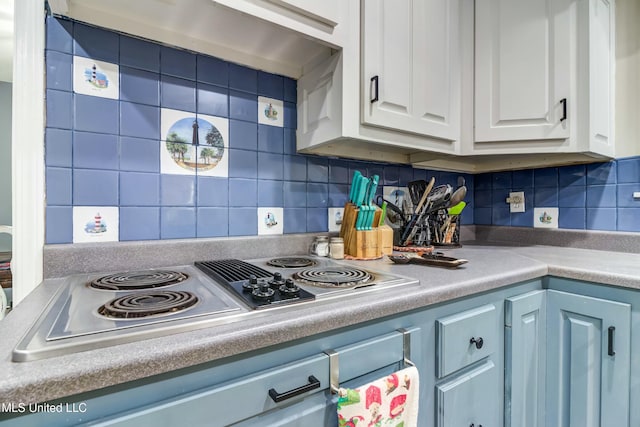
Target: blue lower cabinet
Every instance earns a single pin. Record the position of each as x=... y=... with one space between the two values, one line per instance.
x=467 y=344
x=286 y=394
x=470 y=399
x=588 y=361
x=524 y=359
x=567 y=360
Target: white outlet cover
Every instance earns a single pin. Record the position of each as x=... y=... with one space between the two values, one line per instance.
x=545 y=217
x=334 y=219
x=517 y=207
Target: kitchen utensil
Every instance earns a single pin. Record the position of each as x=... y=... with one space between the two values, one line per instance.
x=456 y=209
x=439 y=198
x=371 y=210
x=416 y=190
x=355 y=182
x=360 y=197
x=411 y=228
x=383 y=215
x=458 y=196
x=437 y=260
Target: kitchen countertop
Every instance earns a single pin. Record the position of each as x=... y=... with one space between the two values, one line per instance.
x=491 y=266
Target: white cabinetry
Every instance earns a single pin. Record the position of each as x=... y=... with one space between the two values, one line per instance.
x=411 y=66
x=409 y=54
x=543 y=77
x=522 y=69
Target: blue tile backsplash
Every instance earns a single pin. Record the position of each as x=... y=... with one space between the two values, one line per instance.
x=597 y=196
x=107 y=153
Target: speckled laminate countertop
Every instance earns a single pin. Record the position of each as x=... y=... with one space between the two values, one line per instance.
x=490 y=266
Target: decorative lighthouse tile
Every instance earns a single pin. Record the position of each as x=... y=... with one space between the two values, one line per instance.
x=193 y=143
x=334 y=219
x=270 y=111
x=95 y=78
x=545 y=217
x=95 y=224
x=213 y=151
x=270 y=221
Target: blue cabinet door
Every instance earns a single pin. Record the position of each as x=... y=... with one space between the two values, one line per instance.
x=588 y=356
x=469 y=399
x=524 y=360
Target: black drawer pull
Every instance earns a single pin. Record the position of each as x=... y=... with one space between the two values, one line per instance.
x=279 y=397
x=563 y=101
x=374 y=82
x=611 y=341
x=479 y=342
x=473 y=425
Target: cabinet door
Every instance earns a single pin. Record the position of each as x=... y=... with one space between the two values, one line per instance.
x=411 y=66
x=587 y=361
x=524 y=360
x=469 y=399
x=523 y=66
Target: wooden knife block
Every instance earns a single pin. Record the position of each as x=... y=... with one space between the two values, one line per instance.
x=365 y=244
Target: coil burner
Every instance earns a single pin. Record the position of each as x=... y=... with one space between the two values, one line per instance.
x=291 y=262
x=138 y=280
x=334 y=277
x=147 y=304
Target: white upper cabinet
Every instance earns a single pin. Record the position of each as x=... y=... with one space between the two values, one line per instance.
x=411 y=66
x=523 y=69
x=394 y=89
x=543 y=77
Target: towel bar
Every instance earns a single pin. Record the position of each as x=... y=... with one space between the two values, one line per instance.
x=334 y=360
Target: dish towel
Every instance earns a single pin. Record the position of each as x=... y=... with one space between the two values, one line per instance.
x=391 y=401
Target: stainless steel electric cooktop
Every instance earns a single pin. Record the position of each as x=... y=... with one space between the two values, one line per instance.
x=93 y=311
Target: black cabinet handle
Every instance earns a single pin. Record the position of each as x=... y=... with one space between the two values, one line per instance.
x=611 y=343
x=473 y=425
x=479 y=342
x=279 y=397
x=374 y=83
x=563 y=101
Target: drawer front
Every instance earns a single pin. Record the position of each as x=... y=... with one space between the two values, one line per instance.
x=231 y=402
x=470 y=399
x=249 y=396
x=464 y=338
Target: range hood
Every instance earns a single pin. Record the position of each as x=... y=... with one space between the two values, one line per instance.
x=224 y=29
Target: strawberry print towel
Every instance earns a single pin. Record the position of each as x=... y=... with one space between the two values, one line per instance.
x=388 y=402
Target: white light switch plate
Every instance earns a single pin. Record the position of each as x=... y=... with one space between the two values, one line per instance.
x=545 y=217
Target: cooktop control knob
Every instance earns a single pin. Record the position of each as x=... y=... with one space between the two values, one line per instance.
x=289 y=289
x=263 y=292
x=251 y=285
x=277 y=281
